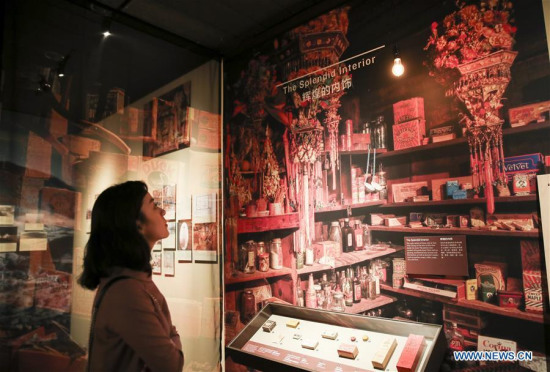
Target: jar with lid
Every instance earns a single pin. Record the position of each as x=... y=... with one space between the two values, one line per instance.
x=380 y=132
x=309 y=255
x=248 y=306
x=250 y=266
x=276 y=254
x=338 y=302
x=335 y=234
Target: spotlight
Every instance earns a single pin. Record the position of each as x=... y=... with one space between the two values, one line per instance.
x=61 y=65
x=398 y=69
x=106 y=27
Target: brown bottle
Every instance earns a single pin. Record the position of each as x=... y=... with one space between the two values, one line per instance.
x=348 y=236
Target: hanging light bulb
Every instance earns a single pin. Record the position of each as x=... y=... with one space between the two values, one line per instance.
x=397 y=69
x=106 y=28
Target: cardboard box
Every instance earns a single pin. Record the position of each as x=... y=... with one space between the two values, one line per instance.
x=326 y=248
x=408 y=134
x=523 y=115
x=439 y=185
x=529 y=163
x=493 y=273
x=409 y=109
x=463 y=317
x=448 y=288
x=360 y=141
x=403 y=191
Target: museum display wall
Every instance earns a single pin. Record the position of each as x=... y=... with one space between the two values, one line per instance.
x=381 y=160
x=81 y=112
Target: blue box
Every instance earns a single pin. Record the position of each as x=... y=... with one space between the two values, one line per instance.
x=529 y=163
x=451 y=187
x=460 y=194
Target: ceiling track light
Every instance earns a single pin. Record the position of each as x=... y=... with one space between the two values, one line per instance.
x=397 y=69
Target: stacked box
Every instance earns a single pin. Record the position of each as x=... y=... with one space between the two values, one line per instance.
x=408 y=134
x=523 y=115
x=535 y=297
x=409 y=109
x=527 y=164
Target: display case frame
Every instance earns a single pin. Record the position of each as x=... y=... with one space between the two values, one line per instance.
x=432 y=357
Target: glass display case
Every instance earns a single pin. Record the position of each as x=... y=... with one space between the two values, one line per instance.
x=289 y=338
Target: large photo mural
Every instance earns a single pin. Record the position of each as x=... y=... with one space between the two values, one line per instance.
x=387 y=154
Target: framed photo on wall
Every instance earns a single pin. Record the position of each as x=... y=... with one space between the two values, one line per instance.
x=168 y=263
x=204 y=208
x=156 y=262
x=169 y=243
x=184 y=250
x=205 y=242
x=172 y=128
x=169 y=201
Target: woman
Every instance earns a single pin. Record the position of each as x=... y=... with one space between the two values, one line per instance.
x=131 y=325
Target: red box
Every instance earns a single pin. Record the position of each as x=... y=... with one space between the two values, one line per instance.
x=509 y=299
x=532 y=287
x=409 y=109
x=411 y=354
x=408 y=134
x=524 y=115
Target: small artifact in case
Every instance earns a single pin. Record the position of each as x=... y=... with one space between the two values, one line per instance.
x=348 y=351
x=292 y=323
x=309 y=344
x=383 y=354
x=269 y=325
x=411 y=354
x=331 y=335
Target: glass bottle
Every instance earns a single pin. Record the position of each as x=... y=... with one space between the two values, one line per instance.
x=276 y=254
x=358 y=231
x=251 y=257
x=364 y=283
x=248 y=306
x=299 y=259
x=335 y=234
x=311 y=296
x=338 y=302
x=381 y=132
x=243 y=257
x=376 y=279
x=356 y=288
x=371 y=286
x=319 y=296
x=383 y=194
x=367 y=238
x=309 y=255
x=299 y=293
x=454 y=338
x=347 y=289
x=349 y=237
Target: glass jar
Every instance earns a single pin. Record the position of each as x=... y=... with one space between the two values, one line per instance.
x=243 y=257
x=320 y=295
x=367 y=237
x=380 y=132
x=338 y=302
x=263 y=262
x=276 y=254
x=335 y=234
x=250 y=266
x=248 y=306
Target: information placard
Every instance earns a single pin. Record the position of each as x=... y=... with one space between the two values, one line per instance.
x=436 y=255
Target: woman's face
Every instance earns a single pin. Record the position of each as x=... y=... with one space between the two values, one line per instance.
x=154 y=226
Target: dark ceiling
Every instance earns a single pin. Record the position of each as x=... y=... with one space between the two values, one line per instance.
x=222 y=27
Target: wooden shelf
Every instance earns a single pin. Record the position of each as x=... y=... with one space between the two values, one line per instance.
x=458 y=231
x=268 y=223
x=462 y=140
x=505 y=199
x=241 y=277
x=351 y=258
x=352 y=206
x=366 y=305
x=469 y=304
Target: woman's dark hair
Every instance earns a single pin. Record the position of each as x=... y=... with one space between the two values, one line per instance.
x=114 y=239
